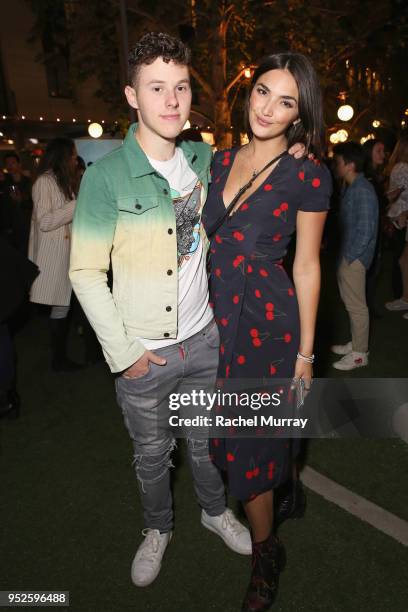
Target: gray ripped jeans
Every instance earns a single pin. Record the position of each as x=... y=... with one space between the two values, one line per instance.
x=144 y=401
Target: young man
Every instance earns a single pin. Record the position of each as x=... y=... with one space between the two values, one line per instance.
x=359 y=224
x=140 y=207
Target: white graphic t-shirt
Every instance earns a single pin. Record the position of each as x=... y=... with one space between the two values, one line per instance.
x=194 y=311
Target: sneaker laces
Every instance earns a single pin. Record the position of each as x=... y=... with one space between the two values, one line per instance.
x=230 y=522
x=150 y=546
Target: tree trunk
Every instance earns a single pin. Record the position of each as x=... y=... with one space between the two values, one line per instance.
x=222 y=113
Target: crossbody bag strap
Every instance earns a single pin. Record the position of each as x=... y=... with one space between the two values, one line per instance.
x=243 y=189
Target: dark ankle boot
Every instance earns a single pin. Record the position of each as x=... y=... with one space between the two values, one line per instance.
x=290 y=502
x=268 y=560
x=59 y=335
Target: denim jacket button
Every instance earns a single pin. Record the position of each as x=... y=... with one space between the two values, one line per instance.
x=165 y=191
x=169 y=272
x=168 y=308
x=169 y=231
x=138 y=206
x=166 y=334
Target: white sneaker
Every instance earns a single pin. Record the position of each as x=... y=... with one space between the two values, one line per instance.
x=342 y=349
x=351 y=361
x=227 y=526
x=399 y=304
x=147 y=562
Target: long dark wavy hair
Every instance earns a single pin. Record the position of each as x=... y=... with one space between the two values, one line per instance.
x=310 y=129
x=57 y=158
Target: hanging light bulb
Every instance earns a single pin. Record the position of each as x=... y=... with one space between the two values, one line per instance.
x=345 y=112
x=247 y=73
x=95 y=130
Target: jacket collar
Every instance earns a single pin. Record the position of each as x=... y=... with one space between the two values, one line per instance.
x=139 y=165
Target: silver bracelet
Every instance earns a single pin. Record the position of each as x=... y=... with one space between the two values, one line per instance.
x=309 y=359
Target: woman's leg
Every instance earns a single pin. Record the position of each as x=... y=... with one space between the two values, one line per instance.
x=403 y=262
x=59 y=324
x=268 y=555
x=259 y=512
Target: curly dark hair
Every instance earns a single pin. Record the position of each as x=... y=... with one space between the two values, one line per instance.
x=154 y=45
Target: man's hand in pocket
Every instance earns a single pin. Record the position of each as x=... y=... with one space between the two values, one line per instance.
x=142 y=365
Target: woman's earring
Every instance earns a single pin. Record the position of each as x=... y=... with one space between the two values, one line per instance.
x=297 y=121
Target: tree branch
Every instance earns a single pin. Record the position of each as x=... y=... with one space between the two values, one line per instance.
x=204 y=84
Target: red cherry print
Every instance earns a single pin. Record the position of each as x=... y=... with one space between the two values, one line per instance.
x=241 y=359
x=211 y=305
x=284 y=206
x=269 y=315
x=213 y=251
x=249 y=269
x=269 y=306
x=277 y=237
x=244 y=206
x=224 y=322
x=222 y=349
x=254 y=333
x=263 y=272
x=217 y=271
x=248 y=474
x=238 y=260
x=256 y=471
x=227 y=371
x=230 y=457
x=271 y=469
x=257 y=342
x=238 y=236
x=227 y=153
x=287 y=338
x=272 y=370
x=316 y=183
x=258 y=294
x=235 y=299
x=290 y=291
x=217 y=180
x=277 y=212
x=267 y=187
x=218 y=239
x=301 y=175
x=225 y=161
x=216 y=442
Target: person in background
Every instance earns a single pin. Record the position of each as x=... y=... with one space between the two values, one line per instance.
x=374 y=172
x=359 y=227
x=398 y=213
x=19 y=186
x=50 y=239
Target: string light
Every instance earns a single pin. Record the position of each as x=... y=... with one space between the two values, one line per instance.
x=376 y=123
x=58 y=119
x=345 y=112
x=23 y=116
x=41 y=118
x=74 y=120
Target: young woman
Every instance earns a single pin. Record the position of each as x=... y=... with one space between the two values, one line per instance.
x=50 y=240
x=398 y=213
x=266 y=324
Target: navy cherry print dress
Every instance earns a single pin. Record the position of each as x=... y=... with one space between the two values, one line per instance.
x=254 y=301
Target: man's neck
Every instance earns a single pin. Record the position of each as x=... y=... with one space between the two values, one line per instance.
x=153 y=145
x=351 y=177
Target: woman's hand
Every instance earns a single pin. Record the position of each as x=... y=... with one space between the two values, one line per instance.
x=304 y=370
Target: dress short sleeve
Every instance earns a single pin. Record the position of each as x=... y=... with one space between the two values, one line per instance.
x=316 y=186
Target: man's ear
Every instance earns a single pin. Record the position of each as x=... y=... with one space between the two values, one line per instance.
x=131 y=97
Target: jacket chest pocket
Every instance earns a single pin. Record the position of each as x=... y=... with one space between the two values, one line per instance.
x=137 y=211
x=137 y=205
